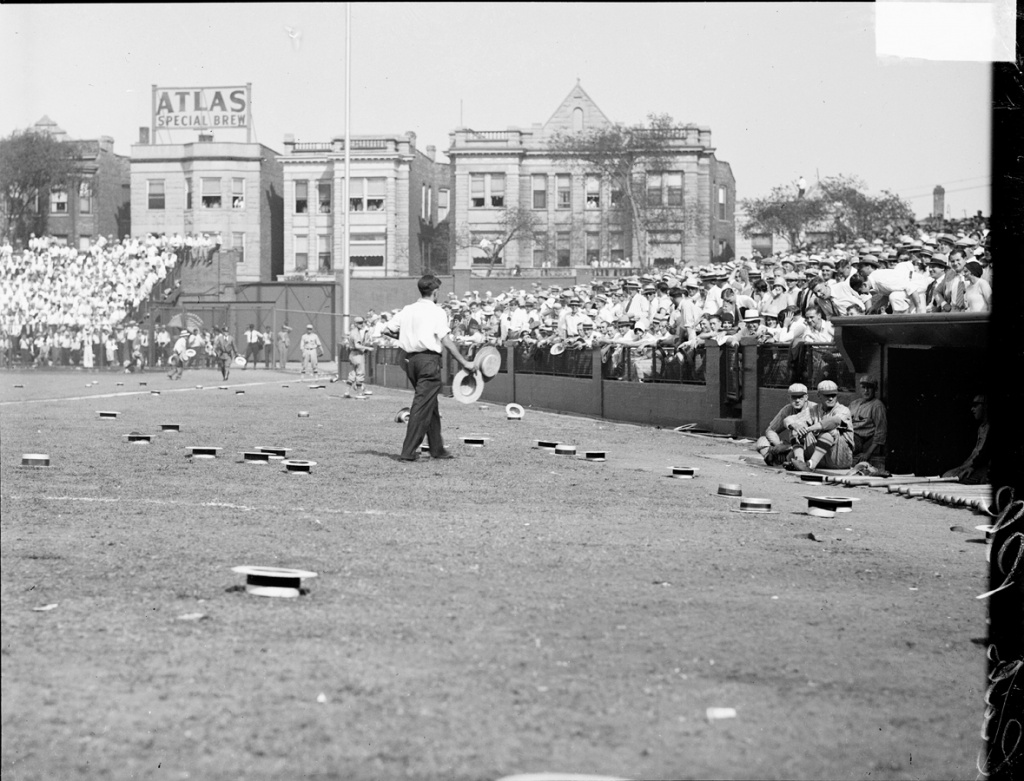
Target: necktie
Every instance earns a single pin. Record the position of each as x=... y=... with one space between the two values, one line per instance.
x=959 y=304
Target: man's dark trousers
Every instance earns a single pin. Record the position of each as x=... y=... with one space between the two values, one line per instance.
x=424 y=372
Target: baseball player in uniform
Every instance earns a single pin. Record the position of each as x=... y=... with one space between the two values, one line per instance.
x=312 y=349
x=780 y=444
x=831 y=433
x=358 y=335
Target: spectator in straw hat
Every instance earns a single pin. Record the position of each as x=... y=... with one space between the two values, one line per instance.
x=178 y=359
x=423 y=331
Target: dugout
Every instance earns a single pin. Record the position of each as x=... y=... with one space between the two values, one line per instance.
x=929 y=366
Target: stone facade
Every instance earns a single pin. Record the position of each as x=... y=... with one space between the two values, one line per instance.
x=393 y=206
x=576 y=219
x=213 y=187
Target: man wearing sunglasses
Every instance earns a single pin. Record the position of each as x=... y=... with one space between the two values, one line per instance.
x=830 y=437
x=777 y=445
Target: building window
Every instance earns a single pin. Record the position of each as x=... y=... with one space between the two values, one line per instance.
x=210 y=196
x=84 y=242
x=376 y=189
x=355 y=195
x=498 y=190
x=367 y=250
x=540 y=249
x=188 y=193
x=593 y=248
x=323 y=253
x=301 y=253
x=301 y=197
x=654 y=189
x=238 y=242
x=85 y=198
x=674 y=188
x=155 y=194
x=238 y=193
x=540 y=191
x=430 y=202
x=721 y=202
x=442 y=204
x=616 y=194
x=477 y=197
x=616 y=251
x=577 y=120
x=487 y=190
x=423 y=203
x=58 y=201
x=367 y=195
x=593 y=192
x=323 y=190
x=562 y=252
x=563 y=185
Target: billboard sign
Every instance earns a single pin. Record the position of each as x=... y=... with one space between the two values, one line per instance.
x=202 y=108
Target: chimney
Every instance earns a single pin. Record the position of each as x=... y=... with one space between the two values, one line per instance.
x=431 y=152
x=106 y=144
x=143 y=135
x=938 y=201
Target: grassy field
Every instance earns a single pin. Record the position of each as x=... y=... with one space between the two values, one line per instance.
x=509 y=611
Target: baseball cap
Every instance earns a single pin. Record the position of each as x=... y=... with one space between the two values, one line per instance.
x=797 y=389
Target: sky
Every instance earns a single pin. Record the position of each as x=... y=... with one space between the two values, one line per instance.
x=788 y=89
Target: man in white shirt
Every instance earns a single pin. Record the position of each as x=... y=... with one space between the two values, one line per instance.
x=423 y=330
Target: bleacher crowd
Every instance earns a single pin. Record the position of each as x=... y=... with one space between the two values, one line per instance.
x=63 y=306
x=785 y=299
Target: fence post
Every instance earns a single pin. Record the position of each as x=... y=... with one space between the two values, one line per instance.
x=750 y=406
x=510 y=367
x=597 y=376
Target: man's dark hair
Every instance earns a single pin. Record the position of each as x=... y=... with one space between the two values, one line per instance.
x=857 y=283
x=428 y=284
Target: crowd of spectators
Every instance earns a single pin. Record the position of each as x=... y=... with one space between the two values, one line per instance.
x=788 y=299
x=62 y=306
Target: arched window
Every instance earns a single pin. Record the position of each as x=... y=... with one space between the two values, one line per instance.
x=577 y=119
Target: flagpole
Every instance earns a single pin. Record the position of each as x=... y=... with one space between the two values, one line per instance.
x=345 y=187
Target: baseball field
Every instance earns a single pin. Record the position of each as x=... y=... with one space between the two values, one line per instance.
x=509 y=611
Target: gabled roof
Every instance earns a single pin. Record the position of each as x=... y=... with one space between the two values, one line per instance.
x=48 y=126
x=562 y=119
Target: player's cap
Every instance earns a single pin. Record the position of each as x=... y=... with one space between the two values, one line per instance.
x=827 y=386
x=797 y=389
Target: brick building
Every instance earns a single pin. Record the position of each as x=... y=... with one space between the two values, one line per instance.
x=578 y=220
x=229 y=188
x=96 y=204
x=397 y=200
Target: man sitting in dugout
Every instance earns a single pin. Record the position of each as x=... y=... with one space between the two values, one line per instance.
x=779 y=444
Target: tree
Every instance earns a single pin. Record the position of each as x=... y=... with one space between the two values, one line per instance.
x=31 y=164
x=623 y=155
x=837 y=205
x=856 y=214
x=515 y=222
x=783 y=213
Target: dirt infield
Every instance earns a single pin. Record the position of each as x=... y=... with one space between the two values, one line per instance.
x=510 y=611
